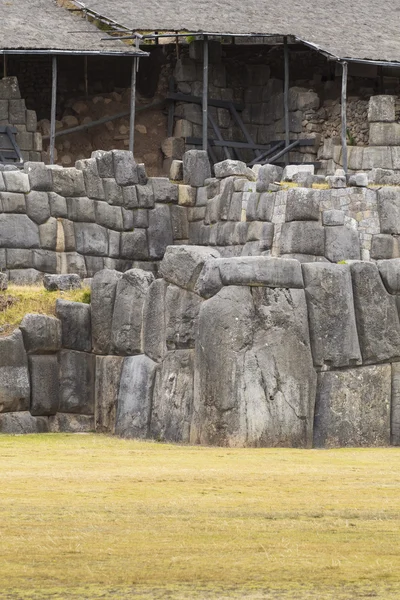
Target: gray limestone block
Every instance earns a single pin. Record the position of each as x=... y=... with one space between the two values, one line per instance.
x=390 y=272
x=302 y=237
x=43 y=370
x=31 y=121
x=353 y=408
x=103 y=290
x=22 y=422
x=359 y=180
x=179 y=221
x=252 y=206
x=91 y=239
x=12 y=202
x=342 y=243
x=66 y=235
x=77 y=382
x=333 y=218
x=235 y=207
x=37 y=206
x=181 y=265
x=389 y=209
x=93 y=182
x=154 y=331
x=164 y=190
x=240 y=233
x=94 y=264
x=176 y=170
x=105 y=163
x=45 y=261
x=160 y=234
x=333 y=330
x=144 y=196
x=229 y=168
x=113 y=192
x=131 y=293
x=134 y=245
x=384 y=246
x=135 y=397
x=108 y=216
x=25 y=277
x=302 y=205
x=114 y=243
x=395 y=406
x=128 y=221
x=125 y=168
x=209 y=281
x=41 y=333
x=196 y=168
x=377 y=319
x=17 y=112
x=108 y=375
x=139 y=218
x=19 y=259
x=71 y=423
x=48 y=234
x=377 y=158
x=225 y=232
x=3 y=281
x=142 y=175
x=247 y=340
x=181 y=317
x=172 y=407
x=381 y=176
x=268 y=174
x=76 y=330
x=81 y=209
x=62 y=282
x=2 y=184
x=40 y=177
x=24 y=139
x=265 y=207
x=384 y=134
x=4 y=110
x=9 y=88
x=58 y=206
x=382 y=109
x=68 y=182
x=261 y=231
x=74 y=264
x=260 y=270
x=14 y=377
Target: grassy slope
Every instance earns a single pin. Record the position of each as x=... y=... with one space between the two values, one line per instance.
x=99 y=517
x=33 y=299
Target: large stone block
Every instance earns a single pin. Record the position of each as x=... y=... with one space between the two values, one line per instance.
x=43 y=370
x=68 y=182
x=267 y=175
x=16 y=181
x=302 y=237
x=12 y=202
x=134 y=245
x=125 y=168
x=108 y=216
x=260 y=270
x=81 y=209
x=130 y=296
x=172 y=408
x=181 y=265
x=382 y=109
x=389 y=209
x=135 y=397
x=353 y=407
x=254 y=379
x=196 y=167
x=160 y=234
x=103 y=290
x=91 y=239
x=181 y=316
x=22 y=422
x=37 y=207
x=108 y=374
x=302 y=205
x=14 y=376
x=384 y=134
x=333 y=329
x=93 y=182
x=154 y=332
x=164 y=190
x=375 y=157
x=384 y=246
x=377 y=319
x=390 y=272
x=41 y=333
x=75 y=325
x=77 y=381
x=18 y=231
x=105 y=165
x=48 y=234
x=71 y=423
x=342 y=243
x=39 y=176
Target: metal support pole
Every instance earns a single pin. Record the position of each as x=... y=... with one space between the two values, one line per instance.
x=53 y=109
x=286 y=97
x=344 y=116
x=205 y=92
x=133 y=106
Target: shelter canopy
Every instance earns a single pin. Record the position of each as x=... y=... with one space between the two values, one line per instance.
x=42 y=26
x=346 y=29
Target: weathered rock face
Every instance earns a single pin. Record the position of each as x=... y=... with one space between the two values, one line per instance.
x=245 y=391
x=353 y=407
x=22 y=422
x=153 y=333
x=77 y=371
x=14 y=376
x=333 y=331
x=181 y=316
x=44 y=384
x=41 y=333
x=104 y=287
x=108 y=374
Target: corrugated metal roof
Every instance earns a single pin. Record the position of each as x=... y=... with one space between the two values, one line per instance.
x=353 y=29
x=42 y=25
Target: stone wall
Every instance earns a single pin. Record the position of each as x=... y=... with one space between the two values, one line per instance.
x=246 y=351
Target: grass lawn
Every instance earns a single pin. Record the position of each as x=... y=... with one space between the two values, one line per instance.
x=90 y=516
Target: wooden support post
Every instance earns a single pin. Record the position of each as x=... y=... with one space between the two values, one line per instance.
x=286 y=97
x=344 y=116
x=53 y=109
x=133 y=106
x=205 y=93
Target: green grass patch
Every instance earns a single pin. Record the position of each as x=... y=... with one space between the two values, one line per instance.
x=18 y=301
x=90 y=516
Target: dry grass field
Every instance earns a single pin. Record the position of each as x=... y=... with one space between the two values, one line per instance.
x=90 y=517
